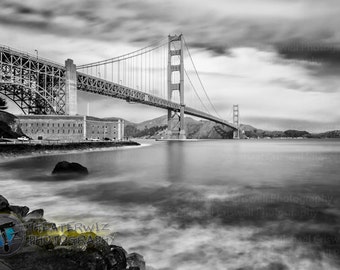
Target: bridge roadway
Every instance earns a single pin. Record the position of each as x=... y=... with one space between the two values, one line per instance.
x=12 y=61
x=102 y=87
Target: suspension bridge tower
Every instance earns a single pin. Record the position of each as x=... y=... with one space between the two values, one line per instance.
x=176 y=83
x=236 y=121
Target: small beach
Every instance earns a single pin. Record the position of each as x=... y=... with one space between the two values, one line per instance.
x=9 y=152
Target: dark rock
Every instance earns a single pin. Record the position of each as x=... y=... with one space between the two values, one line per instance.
x=3 y=203
x=4 y=266
x=87 y=241
x=60 y=258
x=45 y=248
x=42 y=233
x=116 y=258
x=35 y=214
x=135 y=261
x=65 y=167
x=276 y=266
x=20 y=211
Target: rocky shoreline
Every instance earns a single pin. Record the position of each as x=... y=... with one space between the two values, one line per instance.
x=13 y=150
x=47 y=246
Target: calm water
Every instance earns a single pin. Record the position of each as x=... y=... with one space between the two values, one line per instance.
x=199 y=205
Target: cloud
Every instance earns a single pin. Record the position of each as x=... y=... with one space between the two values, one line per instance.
x=231 y=23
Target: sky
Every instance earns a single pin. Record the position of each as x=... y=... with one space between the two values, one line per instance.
x=278 y=59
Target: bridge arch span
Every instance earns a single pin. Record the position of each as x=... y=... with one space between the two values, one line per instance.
x=29 y=100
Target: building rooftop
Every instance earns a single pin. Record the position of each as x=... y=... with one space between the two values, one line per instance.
x=54 y=117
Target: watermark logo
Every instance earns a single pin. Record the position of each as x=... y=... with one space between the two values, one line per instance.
x=12 y=234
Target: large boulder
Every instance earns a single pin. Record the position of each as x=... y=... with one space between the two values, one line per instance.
x=135 y=261
x=116 y=258
x=65 y=167
x=3 y=203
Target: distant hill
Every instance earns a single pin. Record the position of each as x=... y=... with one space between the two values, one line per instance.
x=156 y=128
x=159 y=121
x=328 y=134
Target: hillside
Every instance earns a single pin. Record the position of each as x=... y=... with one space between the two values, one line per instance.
x=8 y=126
x=156 y=128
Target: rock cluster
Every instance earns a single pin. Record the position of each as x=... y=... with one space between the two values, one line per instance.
x=46 y=248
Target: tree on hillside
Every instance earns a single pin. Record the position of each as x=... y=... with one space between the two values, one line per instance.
x=3 y=104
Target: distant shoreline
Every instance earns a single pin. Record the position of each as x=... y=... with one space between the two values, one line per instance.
x=9 y=152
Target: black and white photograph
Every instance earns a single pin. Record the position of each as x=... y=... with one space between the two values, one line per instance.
x=169 y=135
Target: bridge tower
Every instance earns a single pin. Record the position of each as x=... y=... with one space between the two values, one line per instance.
x=71 y=87
x=176 y=118
x=236 y=122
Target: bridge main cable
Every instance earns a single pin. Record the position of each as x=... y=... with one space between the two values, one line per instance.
x=199 y=79
x=153 y=46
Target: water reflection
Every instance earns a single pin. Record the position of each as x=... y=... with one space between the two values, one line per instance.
x=203 y=205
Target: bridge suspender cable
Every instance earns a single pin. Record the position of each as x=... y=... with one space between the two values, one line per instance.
x=193 y=87
x=137 y=70
x=199 y=79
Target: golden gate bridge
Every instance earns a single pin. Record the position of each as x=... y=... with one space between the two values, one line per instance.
x=155 y=75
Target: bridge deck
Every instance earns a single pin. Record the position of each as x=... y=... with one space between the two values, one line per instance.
x=102 y=87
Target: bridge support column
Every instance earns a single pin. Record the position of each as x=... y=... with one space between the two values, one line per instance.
x=71 y=87
x=236 y=122
x=176 y=124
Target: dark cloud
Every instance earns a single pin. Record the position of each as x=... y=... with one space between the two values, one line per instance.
x=25 y=10
x=214 y=27
x=325 y=54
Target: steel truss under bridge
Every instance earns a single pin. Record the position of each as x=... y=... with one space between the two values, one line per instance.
x=37 y=86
